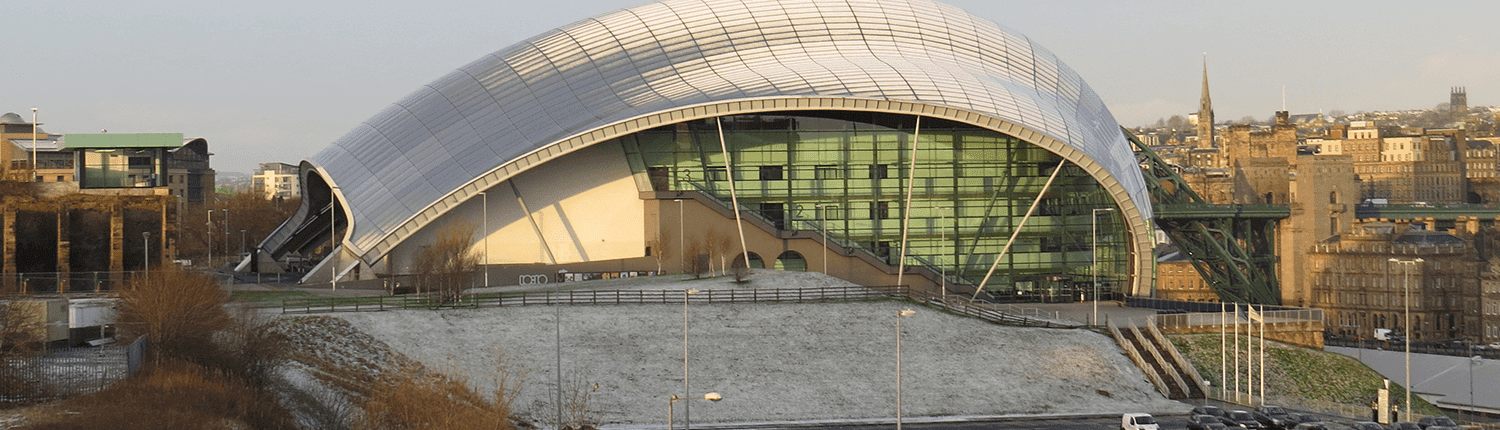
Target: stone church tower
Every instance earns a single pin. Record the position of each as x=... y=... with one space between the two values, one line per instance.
x=1205 y=114
x=1458 y=102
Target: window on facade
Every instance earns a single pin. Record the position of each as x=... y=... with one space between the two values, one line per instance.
x=716 y=174
x=771 y=173
x=880 y=171
x=830 y=212
x=829 y=172
x=880 y=210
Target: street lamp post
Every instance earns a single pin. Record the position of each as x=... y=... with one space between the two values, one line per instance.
x=712 y=397
x=557 y=330
x=226 y=247
x=943 y=239
x=242 y=241
x=146 y=258
x=899 y=315
x=333 y=222
x=1472 y=360
x=1406 y=286
x=33 y=144
x=484 y=203
x=1095 y=222
x=687 y=414
x=681 y=244
x=210 y=239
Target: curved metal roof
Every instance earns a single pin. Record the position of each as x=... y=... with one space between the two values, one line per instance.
x=677 y=53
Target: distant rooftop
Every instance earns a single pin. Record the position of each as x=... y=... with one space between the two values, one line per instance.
x=123 y=140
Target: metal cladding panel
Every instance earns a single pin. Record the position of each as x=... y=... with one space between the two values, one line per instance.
x=678 y=53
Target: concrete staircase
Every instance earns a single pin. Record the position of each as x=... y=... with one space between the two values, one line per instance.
x=1163 y=365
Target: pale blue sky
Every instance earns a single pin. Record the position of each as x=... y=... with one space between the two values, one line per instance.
x=279 y=80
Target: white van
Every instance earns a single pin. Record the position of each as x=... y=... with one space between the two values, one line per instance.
x=1138 y=422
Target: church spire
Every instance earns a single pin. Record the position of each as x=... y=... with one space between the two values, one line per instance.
x=1205 y=112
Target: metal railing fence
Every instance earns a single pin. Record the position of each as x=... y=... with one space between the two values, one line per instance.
x=996 y=313
x=64 y=372
x=57 y=283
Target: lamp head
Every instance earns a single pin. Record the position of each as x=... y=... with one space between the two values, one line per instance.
x=692 y=291
x=906 y=313
x=714 y=397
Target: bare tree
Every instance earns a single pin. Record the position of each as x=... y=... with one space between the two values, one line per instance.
x=721 y=246
x=255 y=347
x=659 y=251
x=444 y=267
x=711 y=239
x=19 y=329
x=697 y=264
x=18 y=338
x=576 y=391
x=1178 y=123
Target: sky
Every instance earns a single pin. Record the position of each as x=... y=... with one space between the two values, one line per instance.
x=279 y=80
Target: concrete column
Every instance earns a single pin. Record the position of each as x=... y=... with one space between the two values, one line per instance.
x=64 y=246
x=168 y=233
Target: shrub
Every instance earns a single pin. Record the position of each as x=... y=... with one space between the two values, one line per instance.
x=178 y=312
x=174 y=394
x=432 y=401
x=741 y=274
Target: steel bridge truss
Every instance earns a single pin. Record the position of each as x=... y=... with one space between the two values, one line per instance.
x=1231 y=246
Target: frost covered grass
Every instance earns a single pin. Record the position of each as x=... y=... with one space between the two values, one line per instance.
x=771 y=362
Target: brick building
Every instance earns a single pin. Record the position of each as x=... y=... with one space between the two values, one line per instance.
x=1363 y=280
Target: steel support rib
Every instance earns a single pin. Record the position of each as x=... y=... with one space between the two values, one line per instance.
x=1017 y=231
x=911 y=181
x=733 y=198
x=534 y=227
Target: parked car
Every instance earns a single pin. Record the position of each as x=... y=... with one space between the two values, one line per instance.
x=1205 y=422
x=1368 y=425
x=1427 y=422
x=1316 y=425
x=1243 y=419
x=1305 y=418
x=1405 y=425
x=1208 y=410
x=1274 y=418
x=1138 y=422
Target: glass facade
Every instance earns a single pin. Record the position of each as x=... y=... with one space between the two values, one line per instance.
x=973 y=187
x=122 y=168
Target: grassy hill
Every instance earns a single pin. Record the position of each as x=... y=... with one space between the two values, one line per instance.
x=1302 y=378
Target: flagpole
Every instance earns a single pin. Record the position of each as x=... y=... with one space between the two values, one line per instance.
x=1237 y=352
x=1249 y=355
x=1223 y=352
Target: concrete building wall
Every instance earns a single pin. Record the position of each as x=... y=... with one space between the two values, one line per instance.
x=581 y=217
